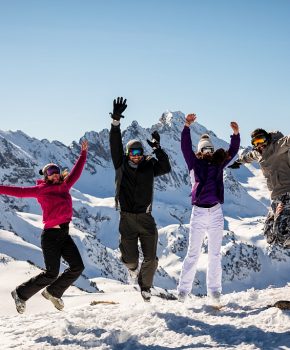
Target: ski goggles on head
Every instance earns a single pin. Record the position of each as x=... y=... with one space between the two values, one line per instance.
x=207 y=150
x=136 y=152
x=259 y=141
x=52 y=170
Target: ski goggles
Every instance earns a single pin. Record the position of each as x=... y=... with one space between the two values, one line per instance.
x=135 y=152
x=52 y=170
x=259 y=141
x=207 y=150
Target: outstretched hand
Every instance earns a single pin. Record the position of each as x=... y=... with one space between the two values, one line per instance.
x=155 y=142
x=190 y=118
x=235 y=128
x=235 y=165
x=85 y=145
x=119 y=106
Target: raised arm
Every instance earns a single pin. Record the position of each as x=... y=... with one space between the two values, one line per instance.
x=79 y=165
x=249 y=157
x=20 y=192
x=162 y=165
x=186 y=144
x=235 y=142
x=283 y=144
x=117 y=152
x=116 y=145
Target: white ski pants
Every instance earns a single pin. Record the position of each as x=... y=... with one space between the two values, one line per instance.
x=202 y=221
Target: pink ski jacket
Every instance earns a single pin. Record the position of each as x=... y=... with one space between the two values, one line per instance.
x=54 y=199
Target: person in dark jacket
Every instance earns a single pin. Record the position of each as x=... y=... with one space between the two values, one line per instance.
x=272 y=151
x=135 y=173
x=206 y=171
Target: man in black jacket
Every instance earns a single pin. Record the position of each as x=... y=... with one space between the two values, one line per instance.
x=135 y=174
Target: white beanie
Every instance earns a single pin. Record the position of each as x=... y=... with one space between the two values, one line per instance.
x=43 y=170
x=204 y=141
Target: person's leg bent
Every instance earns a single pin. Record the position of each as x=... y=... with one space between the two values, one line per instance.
x=71 y=254
x=51 y=249
x=268 y=228
x=129 y=240
x=281 y=227
x=148 y=240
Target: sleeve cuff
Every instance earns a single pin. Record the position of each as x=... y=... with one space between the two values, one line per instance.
x=115 y=122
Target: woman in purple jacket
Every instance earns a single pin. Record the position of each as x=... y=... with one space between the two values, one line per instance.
x=206 y=171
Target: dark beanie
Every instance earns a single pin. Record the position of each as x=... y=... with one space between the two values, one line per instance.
x=133 y=144
x=259 y=132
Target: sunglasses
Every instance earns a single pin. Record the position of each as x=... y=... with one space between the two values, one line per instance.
x=259 y=141
x=52 y=170
x=207 y=150
x=136 y=152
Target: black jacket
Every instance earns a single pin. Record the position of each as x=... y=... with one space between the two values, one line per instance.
x=134 y=187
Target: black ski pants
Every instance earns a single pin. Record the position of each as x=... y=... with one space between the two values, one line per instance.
x=56 y=243
x=134 y=228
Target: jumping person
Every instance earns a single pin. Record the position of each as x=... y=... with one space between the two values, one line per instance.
x=135 y=174
x=206 y=167
x=272 y=151
x=52 y=193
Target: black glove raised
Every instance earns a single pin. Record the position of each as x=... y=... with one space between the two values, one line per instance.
x=235 y=165
x=155 y=142
x=119 y=106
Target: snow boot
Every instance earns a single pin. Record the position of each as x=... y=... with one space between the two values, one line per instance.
x=19 y=303
x=215 y=299
x=133 y=276
x=57 y=302
x=182 y=296
x=146 y=294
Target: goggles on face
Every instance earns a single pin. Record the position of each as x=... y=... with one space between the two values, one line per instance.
x=136 y=152
x=207 y=150
x=259 y=141
x=52 y=170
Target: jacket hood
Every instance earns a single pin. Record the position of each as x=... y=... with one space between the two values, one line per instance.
x=275 y=135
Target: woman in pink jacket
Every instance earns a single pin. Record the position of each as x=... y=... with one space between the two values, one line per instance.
x=52 y=193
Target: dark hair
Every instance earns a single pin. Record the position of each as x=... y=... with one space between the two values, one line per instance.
x=217 y=158
x=63 y=176
x=47 y=181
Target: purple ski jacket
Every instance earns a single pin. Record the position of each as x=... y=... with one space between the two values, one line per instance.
x=208 y=188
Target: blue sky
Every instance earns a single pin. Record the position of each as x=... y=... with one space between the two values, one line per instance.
x=63 y=62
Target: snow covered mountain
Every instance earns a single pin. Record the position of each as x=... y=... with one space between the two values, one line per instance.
x=246 y=256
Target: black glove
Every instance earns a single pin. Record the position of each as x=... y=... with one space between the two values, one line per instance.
x=155 y=142
x=235 y=165
x=118 y=108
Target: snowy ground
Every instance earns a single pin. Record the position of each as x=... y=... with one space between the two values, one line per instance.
x=245 y=322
